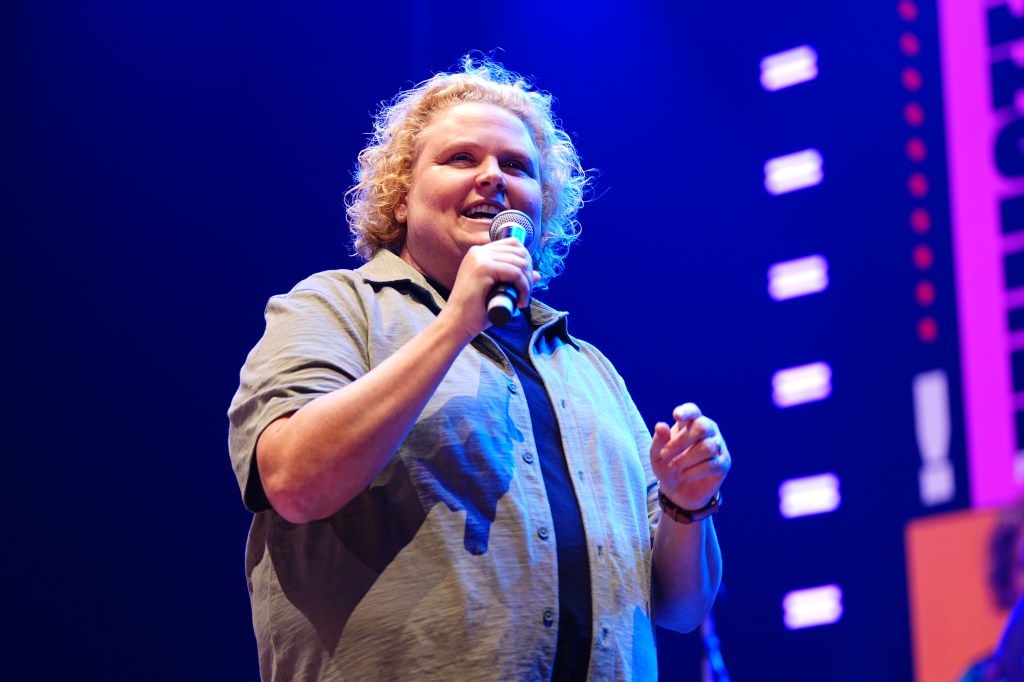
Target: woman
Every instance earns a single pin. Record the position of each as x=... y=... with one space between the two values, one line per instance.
x=438 y=498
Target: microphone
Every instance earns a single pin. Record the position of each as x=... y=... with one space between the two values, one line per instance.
x=501 y=301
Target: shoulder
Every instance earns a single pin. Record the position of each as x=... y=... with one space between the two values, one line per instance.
x=329 y=284
x=330 y=295
x=378 y=282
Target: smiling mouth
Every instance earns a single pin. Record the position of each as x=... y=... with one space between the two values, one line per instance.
x=484 y=212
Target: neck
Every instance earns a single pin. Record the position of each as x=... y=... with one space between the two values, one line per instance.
x=446 y=280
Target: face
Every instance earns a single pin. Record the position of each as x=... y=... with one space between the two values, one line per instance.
x=473 y=160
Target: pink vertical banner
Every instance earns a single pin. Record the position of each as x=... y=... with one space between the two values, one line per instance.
x=973 y=126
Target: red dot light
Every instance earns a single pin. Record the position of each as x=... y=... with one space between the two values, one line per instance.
x=922 y=257
x=916 y=149
x=911 y=79
x=909 y=44
x=917 y=185
x=924 y=293
x=913 y=114
x=928 y=329
x=907 y=10
x=920 y=220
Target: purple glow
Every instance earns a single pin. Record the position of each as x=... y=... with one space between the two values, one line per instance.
x=1012 y=243
x=1015 y=298
x=813 y=606
x=809 y=495
x=803 y=384
x=792 y=172
x=785 y=69
x=799 y=277
x=976 y=188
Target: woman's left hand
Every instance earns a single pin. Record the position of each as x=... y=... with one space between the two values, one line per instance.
x=689 y=458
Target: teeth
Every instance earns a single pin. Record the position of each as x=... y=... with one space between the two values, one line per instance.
x=483 y=208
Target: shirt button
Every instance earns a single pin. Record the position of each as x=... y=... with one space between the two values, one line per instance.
x=528 y=457
x=605 y=636
x=549 y=617
x=563 y=403
x=543 y=533
x=512 y=388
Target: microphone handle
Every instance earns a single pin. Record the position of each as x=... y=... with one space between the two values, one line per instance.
x=501 y=303
x=502 y=298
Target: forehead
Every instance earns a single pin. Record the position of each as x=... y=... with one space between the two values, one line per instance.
x=478 y=122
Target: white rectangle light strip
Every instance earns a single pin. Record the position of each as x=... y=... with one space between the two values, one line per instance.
x=933 y=429
x=783 y=69
x=803 y=384
x=799 y=277
x=809 y=495
x=791 y=172
x=813 y=606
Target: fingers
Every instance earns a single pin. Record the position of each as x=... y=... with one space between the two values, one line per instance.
x=688 y=432
x=692 y=441
x=512 y=264
x=699 y=442
x=686 y=412
x=696 y=473
x=708 y=458
x=690 y=458
x=504 y=261
x=662 y=435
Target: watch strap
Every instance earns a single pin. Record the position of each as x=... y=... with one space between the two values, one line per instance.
x=680 y=515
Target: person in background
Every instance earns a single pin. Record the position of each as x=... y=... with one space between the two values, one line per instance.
x=1006 y=582
x=435 y=497
x=1006 y=557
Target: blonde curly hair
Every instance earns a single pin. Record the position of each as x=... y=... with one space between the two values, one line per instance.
x=385 y=165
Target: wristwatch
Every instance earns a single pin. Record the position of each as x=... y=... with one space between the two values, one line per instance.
x=680 y=515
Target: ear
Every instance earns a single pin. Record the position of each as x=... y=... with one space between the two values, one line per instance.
x=401 y=211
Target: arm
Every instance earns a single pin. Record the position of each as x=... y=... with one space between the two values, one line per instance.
x=316 y=460
x=691 y=461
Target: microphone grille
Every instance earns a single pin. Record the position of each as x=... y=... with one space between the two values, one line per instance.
x=511 y=218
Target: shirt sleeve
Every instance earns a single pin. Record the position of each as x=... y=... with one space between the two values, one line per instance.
x=314 y=343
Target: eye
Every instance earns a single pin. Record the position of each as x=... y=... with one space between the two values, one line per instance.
x=519 y=166
x=460 y=157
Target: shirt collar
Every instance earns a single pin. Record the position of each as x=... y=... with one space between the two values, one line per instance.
x=388 y=269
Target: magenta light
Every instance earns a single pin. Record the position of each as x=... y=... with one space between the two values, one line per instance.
x=976 y=189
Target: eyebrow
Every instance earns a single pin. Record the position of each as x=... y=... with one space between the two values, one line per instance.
x=471 y=143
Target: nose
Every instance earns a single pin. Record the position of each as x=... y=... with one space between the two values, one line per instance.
x=490 y=175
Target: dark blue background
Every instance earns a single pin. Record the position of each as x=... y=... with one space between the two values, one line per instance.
x=167 y=166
